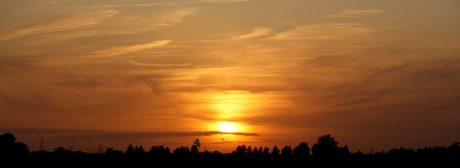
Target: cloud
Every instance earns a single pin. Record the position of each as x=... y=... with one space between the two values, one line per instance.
x=166 y=3
x=354 y=13
x=129 y=49
x=324 y=31
x=99 y=134
x=13 y=65
x=66 y=23
x=157 y=134
x=127 y=24
x=159 y=65
x=13 y=105
x=256 y=32
x=176 y=16
x=92 y=24
x=225 y=1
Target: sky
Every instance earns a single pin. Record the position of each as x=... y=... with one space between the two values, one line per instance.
x=374 y=74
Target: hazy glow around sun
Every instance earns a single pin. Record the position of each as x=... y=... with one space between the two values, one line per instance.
x=228 y=127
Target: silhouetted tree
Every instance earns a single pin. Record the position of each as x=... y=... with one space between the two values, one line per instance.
x=109 y=150
x=302 y=149
x=454 y=148
x=139 y=150
x=275 y=150
x=216 y=153
x=287 y=150
x=182 y=151
x=130 y=149
x=327 y=146
x=7 y=139
x=343 y=150
x=160 y=151
x=249 y=150
x=9 y=146
x=166 y=149
x=21 y=148
x=112 y=152
x=60 y=149
x=401 y=152
x=266 y=150
x=240 y=150
x=256 y=151
x=194 y=149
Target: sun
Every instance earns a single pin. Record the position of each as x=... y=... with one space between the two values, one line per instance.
x=228 y=127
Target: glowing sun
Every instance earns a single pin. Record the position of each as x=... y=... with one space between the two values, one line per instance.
x=228 y=127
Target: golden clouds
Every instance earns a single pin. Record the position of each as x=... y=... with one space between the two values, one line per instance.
x=66 y=23
x=256 y=32
x=176 y=16
x=325 y=31
x=158 y=65
x=129 y=49
x=168 y=66
x=351 y=13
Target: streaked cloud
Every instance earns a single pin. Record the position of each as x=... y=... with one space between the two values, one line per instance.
x=324 y=31
x=95 y=24
x=176 y=16
x=158 y=65
x=66 y=23
x=355 y=13
x=256 y=32
x=127 y=24
x=150 y=4
x=129 y=49
x=224 y=1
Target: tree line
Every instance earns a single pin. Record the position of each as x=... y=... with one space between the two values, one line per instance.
x=325 y=151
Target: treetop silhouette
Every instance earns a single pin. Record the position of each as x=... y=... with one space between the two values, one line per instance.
x=326 y=147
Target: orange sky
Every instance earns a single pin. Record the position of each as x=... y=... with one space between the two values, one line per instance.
x=378 y=74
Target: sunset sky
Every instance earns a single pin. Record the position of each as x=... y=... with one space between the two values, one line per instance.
x=372 y=73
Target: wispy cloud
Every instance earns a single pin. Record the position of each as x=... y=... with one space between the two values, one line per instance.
x=134 y=24
x=324 y=31
x=224 y=1
x=256 y=32
x=66 y=23
x=166 y=3
x=129 y=49
x=159 y=65
x=129 y=23
x=176 y=16
x=354 y=13
x=95 y=24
